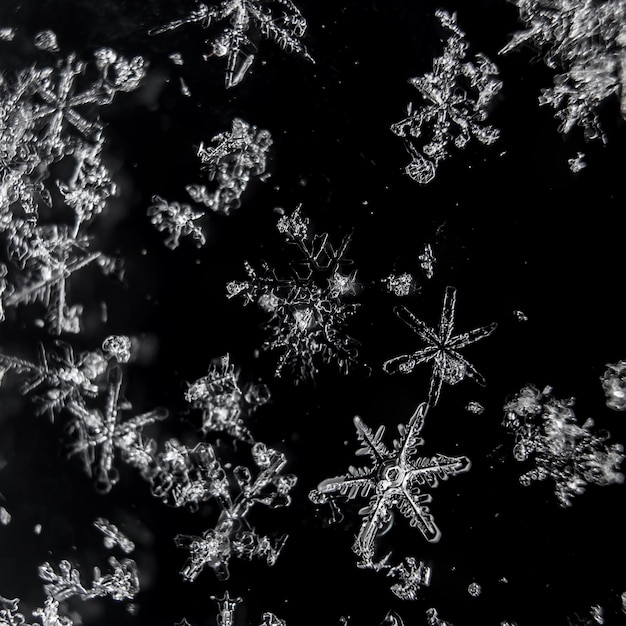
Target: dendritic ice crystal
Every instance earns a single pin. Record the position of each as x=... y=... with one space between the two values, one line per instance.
x=310 y=307
x=395 y=479
x=233 y=536
x=177 y=220
x=548 y=434
x=585 y=43
x=442 y=348
x=614 y=385
x=456 y=95
x=49 y=125
x=223 y=402
x=279 y=20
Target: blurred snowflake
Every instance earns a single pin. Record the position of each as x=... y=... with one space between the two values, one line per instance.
x=47 y=124
x=49 y=614
x=547 y=433
x=451 y=114
x=442 y=348
x=394 y=481
x=585 y=41
x=614 y=385
x=279 y=20
x=309 y=310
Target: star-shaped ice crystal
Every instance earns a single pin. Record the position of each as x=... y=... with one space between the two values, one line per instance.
x=442 y=348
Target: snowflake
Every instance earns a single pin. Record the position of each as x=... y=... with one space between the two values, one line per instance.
x=233 y=536
x=614 y=385
x=121 y=584
x=585 y=41
x=113 y=536
x=59 y=378
x=450 y=114
x=232 y=160
x=442 y=348
x=546 y=432
x=433 y=619
x=222 y=401
x=400 y=285
x=47 y=124
x=394 y=480
x=308 y=310
x=100 y=434
x=177 y=220
x=279 y=20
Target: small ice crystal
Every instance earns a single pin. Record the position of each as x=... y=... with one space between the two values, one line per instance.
x=433 y=619
x=427 y=261
x=577 y=164
x=231 y=159
x=614 y=385
x=548 y=434
x=46 y=40
x=474 y=589
x=176 y=58
x=5 y=516
x=520 y=316
x=623 y=598
x=400 y=285
x=177 y=220
x=113 y=536
x=7 y=33
x=442 y=348
x=475 y=407
x=457 y=94
x=118 y=347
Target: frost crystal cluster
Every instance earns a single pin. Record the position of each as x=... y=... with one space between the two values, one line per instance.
x=456 y=95
x=232 y=159
x=585 y=42
x=395 y=479
x=245 y=21
x=49 y=124
x=442 y=348
x=224 y=404
x=308 y=308
x=614 y=385
x=548 y=434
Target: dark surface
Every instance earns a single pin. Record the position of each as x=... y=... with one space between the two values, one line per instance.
x=512 y=229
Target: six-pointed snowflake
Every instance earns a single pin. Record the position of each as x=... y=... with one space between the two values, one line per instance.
x=451 y=115
x=442 y=348
x=309 y=309
x=279 y=20
x=395 y=479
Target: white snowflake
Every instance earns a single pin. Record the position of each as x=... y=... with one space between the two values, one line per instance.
x=309 y=309
x=178 y=220
x=442 y=348
x=113 y=536
x=232 y=159
x=395 y=479
x=279 y=20
x=572 y=456
x=451 y=115
x=614 y=385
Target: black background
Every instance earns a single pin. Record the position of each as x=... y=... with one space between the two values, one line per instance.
x=512 y=229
